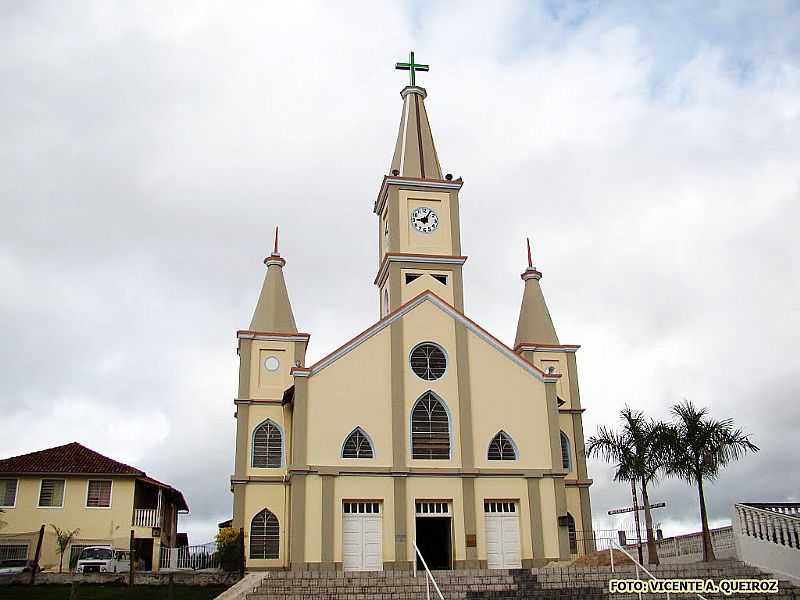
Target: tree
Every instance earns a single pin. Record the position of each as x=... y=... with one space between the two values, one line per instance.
x=637 y=451
x=699 y=447
x=63 y=539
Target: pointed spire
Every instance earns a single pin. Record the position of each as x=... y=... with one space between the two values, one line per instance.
x=274 y=311
x=414 y=153
x=534 y=324
x=530 y=256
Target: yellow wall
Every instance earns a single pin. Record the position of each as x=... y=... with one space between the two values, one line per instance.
x=426 y=282
x=354 y=391
x=438 y=242
x=106 y=525
x=559 y=361
x=508 y=489
x=505 y=396
x=265 y=384
x=549 y=517
x=272 y=496
x=365 y=488
x=427 y=323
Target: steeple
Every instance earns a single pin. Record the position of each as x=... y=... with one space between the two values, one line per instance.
x=535 y=324
x=414 y=153
x=274 y=311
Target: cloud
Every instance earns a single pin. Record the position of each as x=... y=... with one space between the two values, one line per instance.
x=148 y=152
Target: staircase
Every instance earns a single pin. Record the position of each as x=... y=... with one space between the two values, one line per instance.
x=584 y=583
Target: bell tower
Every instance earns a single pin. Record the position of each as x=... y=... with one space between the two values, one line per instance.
x=419 y=239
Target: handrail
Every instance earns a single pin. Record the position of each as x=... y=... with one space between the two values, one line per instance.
x=613 y=543
x=767 y=511
x=428 y=575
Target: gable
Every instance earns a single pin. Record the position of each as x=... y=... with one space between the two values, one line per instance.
x=436 y=301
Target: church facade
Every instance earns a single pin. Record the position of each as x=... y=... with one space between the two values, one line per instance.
x=423 y=432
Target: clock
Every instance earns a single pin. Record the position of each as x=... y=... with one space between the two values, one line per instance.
x=424 y=219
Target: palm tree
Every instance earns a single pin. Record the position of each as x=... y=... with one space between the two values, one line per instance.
x=637 y=451
x=63 y=539
x=699 y=447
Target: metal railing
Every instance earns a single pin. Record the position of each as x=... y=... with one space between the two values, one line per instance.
x=612 y=545
x=204 y=556
x=428 y=575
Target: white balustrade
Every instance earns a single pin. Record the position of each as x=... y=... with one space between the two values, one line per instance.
x=768 y=536
x=146 y=517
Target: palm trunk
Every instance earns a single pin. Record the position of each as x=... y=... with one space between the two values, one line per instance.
x=652 y=551
x=708 y=549
x=61 y=563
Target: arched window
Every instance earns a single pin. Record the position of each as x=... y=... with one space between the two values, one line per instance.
x=502 y=447
x=566 y=457
x=267 y=445
x=357 y=445
x=430 y=429
x=265 y=535
x=573 y=537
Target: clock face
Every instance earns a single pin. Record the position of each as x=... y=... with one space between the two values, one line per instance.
x=424 y=219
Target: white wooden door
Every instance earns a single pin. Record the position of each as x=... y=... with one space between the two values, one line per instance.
x=502 y=535
x=362 y=533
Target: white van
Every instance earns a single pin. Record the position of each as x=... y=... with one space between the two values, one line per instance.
x=103 y=559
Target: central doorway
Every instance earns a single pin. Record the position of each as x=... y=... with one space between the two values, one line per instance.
x=434 y=535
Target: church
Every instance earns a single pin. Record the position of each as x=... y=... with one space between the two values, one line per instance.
x=423 y=434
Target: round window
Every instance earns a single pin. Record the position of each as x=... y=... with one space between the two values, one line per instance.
x=428 y=361
x=271 y=363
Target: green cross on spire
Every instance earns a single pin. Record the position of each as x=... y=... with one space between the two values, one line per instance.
x=412 y=68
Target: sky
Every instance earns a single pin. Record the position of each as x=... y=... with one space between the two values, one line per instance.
x=649 y=149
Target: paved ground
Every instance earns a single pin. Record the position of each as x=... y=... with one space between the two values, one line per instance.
x=108 y=592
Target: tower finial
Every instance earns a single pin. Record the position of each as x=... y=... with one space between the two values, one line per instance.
x=412 y=68
x=530 y=257
x=275 y=250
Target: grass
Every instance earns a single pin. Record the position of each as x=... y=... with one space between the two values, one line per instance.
x=88 y=591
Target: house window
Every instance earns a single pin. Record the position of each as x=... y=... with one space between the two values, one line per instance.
x=566 y=459
x=98 y=493
x=440 y=278
x=51 y=493
x=267 y=446
x=8 y=493
x=264 y=535
x=502 y=448
x=412 y=277
x=428 y=361
x=430 y=429
x=573 y=535
x=13 y=551
x=357 y=445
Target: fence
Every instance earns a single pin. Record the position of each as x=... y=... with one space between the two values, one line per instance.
x=185 y=558
x=672 y=550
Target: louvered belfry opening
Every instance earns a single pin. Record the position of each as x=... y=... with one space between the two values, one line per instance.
x=264 y=535
x=267 y=446
x=501 y=447
x=428 y=361
x=430 y=429
x=357 y=445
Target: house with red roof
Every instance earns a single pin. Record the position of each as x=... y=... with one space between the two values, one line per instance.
x=75 y=488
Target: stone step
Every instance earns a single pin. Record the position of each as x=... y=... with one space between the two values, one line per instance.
x=566 y=583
